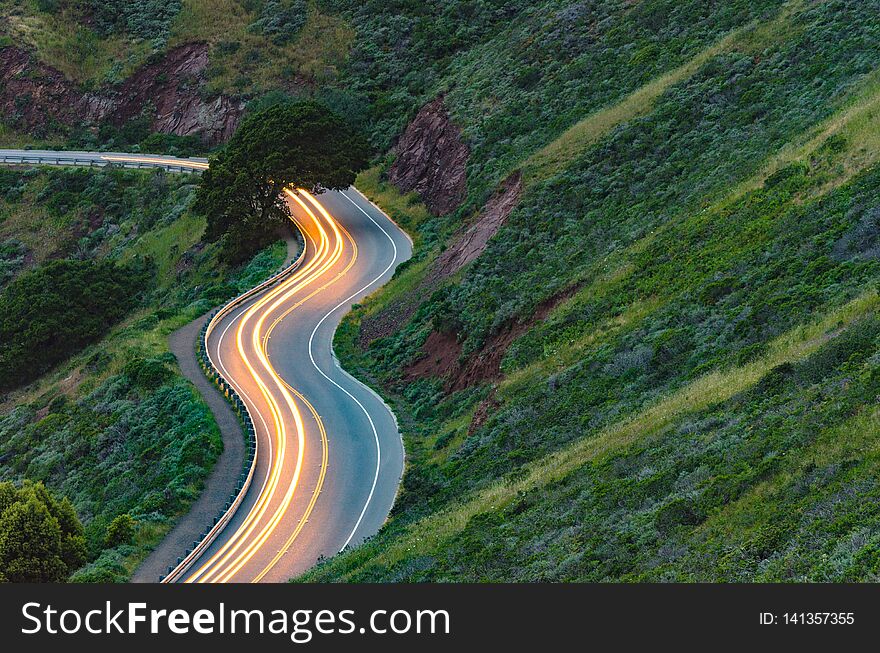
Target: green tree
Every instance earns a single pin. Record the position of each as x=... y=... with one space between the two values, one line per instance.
x=290 y=144
x=120 y=531
x=41 y=538
x=30 y=544
x=8 y=496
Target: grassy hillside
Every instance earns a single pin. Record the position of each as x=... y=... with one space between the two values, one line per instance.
x=256 y=46
x=700 y=402
x=683 y=302
x=113 y=427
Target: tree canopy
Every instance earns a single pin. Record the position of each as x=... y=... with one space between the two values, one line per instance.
x=290 y=144
x=41 y=538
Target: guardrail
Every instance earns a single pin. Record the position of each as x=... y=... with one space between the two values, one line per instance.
x=199 y=546
x=212 y=532
x=133 y=163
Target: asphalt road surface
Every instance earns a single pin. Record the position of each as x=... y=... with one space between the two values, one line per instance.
x=329 y=455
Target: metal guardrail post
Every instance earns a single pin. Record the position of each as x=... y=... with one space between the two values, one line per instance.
x=239 y=407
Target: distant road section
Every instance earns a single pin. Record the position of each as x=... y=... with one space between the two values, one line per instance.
x=329 y=457
x=100 y=159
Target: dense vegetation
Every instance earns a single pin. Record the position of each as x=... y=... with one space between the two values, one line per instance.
x=282 y=21
x=285 y=145
x=41 y=538
x=700 y=222
x=517 y=74
x=113 y=428
x=54 y=311
x=147 y=19
x=701 y=403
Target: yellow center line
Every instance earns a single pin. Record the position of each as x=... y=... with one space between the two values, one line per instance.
x=251 y=549
x=313 y=270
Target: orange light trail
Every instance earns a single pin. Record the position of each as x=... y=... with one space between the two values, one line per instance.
x=182 y=163
x=241 y=547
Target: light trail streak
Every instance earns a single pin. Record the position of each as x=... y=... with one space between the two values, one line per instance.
x=249 y=551
x=243 y=545
x=180 y=163
x=303 y=278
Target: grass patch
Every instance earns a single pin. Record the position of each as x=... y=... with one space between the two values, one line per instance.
x=407 y=210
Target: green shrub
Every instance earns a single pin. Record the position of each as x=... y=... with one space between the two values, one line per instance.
x=120 y=531
x=41 y=538
x=282 y=20
x=54 y=311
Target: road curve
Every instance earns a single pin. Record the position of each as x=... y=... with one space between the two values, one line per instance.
x=329 y=455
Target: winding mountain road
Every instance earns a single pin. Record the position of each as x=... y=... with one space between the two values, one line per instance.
x=329 y=455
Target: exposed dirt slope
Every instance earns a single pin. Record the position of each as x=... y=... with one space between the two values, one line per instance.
x=473 y=241
x=442 y=352
x=465 y=247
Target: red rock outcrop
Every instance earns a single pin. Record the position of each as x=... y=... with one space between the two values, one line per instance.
x=33 y=95
x=172 y=85
x=431 y=160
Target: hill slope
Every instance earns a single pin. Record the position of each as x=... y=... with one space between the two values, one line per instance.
x=663 y=362
x=638 y=340
x=111 y=424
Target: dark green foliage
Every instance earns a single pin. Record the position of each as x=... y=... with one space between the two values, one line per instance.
x=136 y=135
x=49 y=313
x=116 y=451
x=41 y=538
x=146 y=19
x=48 y=6
x=544 y=64
x=286 y=145
x=172 y=145
x=282 y=20
x=147 y=374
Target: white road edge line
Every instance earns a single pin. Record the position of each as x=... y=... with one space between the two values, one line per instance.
x=351 y=396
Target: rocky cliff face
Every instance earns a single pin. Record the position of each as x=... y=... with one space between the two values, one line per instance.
x=33 y=95
x=173 y=87
x=431 y=159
